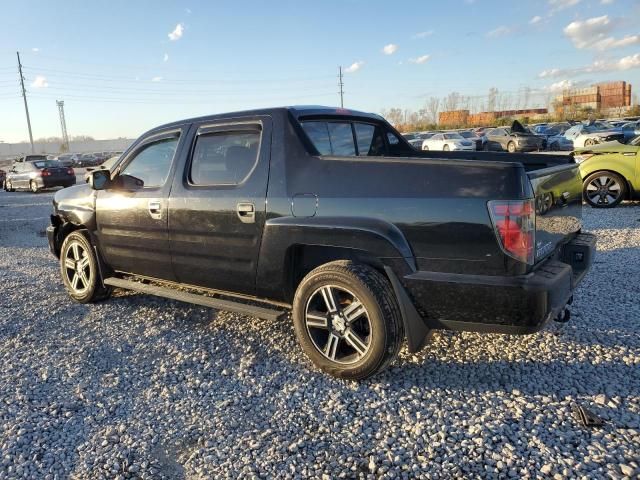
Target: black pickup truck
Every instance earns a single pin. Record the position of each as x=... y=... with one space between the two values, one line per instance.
x=329 y=213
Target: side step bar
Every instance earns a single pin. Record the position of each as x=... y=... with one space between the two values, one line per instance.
x=217 y=303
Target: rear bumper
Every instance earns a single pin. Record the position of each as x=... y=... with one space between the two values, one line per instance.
x=45 y=182
x=516 y=305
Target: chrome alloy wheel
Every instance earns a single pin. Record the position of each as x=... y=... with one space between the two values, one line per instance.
x=77 y=268
x=603 y=190
x=338 y=324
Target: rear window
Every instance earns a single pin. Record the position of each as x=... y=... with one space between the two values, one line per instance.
x=46 y=164
x=337 y=138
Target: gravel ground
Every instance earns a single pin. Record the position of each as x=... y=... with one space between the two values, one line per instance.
x=142 y=387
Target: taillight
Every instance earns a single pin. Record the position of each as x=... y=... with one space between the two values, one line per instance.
x=45 y=173
x=514 y=222
x=70 y=171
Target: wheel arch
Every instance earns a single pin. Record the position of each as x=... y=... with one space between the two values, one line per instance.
x=292 y=247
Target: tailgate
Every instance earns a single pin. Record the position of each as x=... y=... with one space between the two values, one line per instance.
x=558 y=197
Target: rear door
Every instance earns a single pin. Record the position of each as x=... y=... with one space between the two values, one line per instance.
x=132 y=221
x=218 y=204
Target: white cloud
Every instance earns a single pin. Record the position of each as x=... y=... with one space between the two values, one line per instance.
x=501 y=31
x=420 y=60
x=606 y=2
x=621 y=64
x=559 y=86
x=354 y=67
x=165 y=58
x=177 y=32
x=594 y=33
x=40 y=82
x=35 y=49
x=390 y=49
x=534 y=20
x=426 y=34
x=156 y=79
x=562 y=4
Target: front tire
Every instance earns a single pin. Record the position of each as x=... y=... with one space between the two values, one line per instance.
x=79 y=269
x=511 y=147
x=347 y=320
x=589 y=142
x=445 y=148
x=8 y=186
x=604 y=189
x=33 y=186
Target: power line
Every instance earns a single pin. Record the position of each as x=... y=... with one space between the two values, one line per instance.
x=24 y=96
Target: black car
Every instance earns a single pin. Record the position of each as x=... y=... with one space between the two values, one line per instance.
x=37 y=174
x=331 y=214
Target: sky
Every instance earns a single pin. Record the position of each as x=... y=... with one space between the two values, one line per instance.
x=123 y=67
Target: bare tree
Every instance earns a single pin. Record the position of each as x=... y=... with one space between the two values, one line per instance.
x=452 y=101
x=395 y=116
x=433 y=107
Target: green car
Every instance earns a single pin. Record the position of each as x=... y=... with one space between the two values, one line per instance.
x=610 y=172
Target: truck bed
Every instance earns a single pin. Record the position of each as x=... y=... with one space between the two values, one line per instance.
x=530 y=161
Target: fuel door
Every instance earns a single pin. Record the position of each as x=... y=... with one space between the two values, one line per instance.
x=304 y=205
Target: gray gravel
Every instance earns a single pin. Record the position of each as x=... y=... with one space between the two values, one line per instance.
x=141 y=387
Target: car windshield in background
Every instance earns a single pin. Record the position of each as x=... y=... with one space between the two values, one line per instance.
x=46 y=164
x=467 y=134
x=453 y=136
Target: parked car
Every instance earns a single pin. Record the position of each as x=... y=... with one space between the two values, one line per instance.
x=447 y=141
x=610 y=172
x=478 y=141
x=588 y=135
x=553 y=134
x=264 y=209
x=514 y=139
x=630 y=130
x=86 y=160
x=36 y=175
x=3 y=176
x=65 y=160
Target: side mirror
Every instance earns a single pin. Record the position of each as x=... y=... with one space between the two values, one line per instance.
x=99 y=179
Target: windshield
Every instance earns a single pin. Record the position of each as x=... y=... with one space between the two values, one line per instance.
x=46 y=164
x=467 y=134
x=453 y=136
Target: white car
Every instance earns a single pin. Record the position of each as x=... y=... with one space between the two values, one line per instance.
x=448 y=141
x=586 y=135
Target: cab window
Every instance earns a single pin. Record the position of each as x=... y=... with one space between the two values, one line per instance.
x=153 y=162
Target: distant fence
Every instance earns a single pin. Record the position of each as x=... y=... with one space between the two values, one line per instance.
x=10 y=150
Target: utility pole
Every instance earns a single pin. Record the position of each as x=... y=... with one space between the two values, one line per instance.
x=24 y=97
x=341 y=84
x=63 y=125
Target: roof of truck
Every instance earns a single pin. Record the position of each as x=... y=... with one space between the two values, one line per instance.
x=296 y=110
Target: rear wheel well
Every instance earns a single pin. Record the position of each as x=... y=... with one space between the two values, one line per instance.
x=302 y=259
x=628 y=195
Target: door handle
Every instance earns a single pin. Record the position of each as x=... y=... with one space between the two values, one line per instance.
x=155 y=209
x=246 y=212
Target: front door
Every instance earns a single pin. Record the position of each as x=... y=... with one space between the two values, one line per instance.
x=217 y=206
x=132 y=216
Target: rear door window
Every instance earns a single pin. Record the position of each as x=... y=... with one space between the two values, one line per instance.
x=224 y=157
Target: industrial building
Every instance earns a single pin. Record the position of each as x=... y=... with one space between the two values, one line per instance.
x=607 y=99
x=458 y=118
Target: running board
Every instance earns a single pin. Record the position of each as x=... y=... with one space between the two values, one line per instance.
x=217 y=303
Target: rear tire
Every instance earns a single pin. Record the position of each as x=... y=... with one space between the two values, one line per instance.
x=79 y=269
x=8 y=186
x=604 y=189
x=33 y=186
x=445 y=148
x=347 y=320
x=589 y=142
